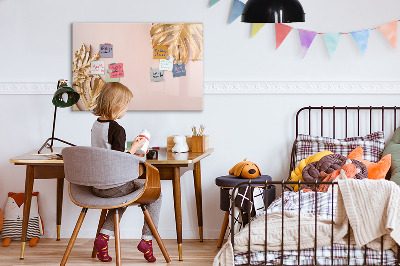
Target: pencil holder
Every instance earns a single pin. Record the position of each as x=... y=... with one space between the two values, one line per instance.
x=200 y=143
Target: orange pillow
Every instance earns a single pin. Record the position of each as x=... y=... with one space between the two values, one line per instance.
x=375 y=170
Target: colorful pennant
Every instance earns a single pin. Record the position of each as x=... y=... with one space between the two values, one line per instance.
x=281 y=31
x=332 y=41
x=256 y=27
x=389 y=30
x=306 y=39
x=237 y=8
x=213 y=2
x=361 y=37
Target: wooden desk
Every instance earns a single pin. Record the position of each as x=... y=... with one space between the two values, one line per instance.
x=171 y=167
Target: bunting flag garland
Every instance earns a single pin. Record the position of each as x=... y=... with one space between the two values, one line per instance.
x=361 y=37
x=332 y=41
x=237 y=8
x=389 y=30
x=213 y=2
x=281 y=31
x=306 y=39
x=256 y=27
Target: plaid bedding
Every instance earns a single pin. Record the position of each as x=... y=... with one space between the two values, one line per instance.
x=323 y=207
x=372 y=145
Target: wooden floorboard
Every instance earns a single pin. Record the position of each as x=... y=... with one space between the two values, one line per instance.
x=50 y=252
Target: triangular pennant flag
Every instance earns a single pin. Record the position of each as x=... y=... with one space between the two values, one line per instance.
x=213 y=2
x=332 y=41
x=306 y=39
x=361 y=37
x=390 y=32
x=256 y=27
x=237 y=9
x=281 y=31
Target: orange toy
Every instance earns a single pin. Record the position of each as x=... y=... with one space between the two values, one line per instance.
x=12 y=222
x=245 y=169
x=375 y=170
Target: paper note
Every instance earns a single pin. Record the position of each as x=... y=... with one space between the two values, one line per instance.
x=110 y=79
x=156 y=75
x=117 y=70
x=106 y=50
x=160 y=51
x=167 y=64
x=179 y=70
x=97 y=67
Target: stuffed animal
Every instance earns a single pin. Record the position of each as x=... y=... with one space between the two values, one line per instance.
x=13 y=215
x=180 y=144
x=245 y=169
x=1 y=220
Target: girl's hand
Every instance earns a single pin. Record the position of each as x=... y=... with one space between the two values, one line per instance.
x=143 y=155
x=137 y=144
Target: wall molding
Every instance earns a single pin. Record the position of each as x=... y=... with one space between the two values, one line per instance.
x=246 y=87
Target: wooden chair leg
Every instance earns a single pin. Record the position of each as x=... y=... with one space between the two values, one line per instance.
x=117 y=238
x=154 y=230
x=101 y=222
x=73 y=237
x=223 y=229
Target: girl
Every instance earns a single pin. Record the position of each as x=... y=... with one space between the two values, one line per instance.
x=107 y=133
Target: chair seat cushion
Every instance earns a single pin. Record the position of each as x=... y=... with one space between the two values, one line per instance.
x=83 y=195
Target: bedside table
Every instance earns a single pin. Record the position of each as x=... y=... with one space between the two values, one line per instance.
x=228 y=182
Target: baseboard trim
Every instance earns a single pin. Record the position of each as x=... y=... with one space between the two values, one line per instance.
x=244 y=87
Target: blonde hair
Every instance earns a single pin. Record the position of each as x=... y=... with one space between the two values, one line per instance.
x=112 y=99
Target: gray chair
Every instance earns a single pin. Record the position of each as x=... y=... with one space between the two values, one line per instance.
x=85 y=167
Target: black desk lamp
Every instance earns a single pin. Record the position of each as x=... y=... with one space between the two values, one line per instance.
x=64 y=97
x=273 y=11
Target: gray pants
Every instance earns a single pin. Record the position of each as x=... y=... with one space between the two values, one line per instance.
x=154 y=208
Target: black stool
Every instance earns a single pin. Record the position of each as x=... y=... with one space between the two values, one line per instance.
x=226 y=183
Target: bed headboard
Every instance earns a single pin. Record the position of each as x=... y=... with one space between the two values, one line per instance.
x=344 y=121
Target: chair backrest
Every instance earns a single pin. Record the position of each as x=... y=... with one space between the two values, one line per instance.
x=92 y=166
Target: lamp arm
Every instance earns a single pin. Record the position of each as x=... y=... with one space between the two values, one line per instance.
x=54 y=126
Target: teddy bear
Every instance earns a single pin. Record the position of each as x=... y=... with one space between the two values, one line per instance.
x=245 y=169
x=180 y=144
x=13 y=215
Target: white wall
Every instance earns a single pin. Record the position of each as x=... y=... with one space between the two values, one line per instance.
x=36 y=47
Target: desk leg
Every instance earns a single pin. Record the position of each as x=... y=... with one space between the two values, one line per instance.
x=60 y=190
x=197 y=189
x=27 y=206
x=176 y=182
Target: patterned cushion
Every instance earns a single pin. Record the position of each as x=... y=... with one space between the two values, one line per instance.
x=372 y=144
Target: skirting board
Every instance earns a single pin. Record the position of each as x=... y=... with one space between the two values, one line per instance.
x=247 y=87
x=131 y=233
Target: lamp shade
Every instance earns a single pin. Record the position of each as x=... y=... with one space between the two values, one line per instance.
x=273 y=11
x=65 y=96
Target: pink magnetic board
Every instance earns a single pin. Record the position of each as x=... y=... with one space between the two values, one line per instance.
x=132 y=46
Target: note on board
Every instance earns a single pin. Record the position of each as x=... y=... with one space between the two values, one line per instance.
x=117 y=70
x=97 y=67
x=167 y=64
x=179 y=70
x=160 y=51
x=110 y=79
x=156 y=75
x=106 y=50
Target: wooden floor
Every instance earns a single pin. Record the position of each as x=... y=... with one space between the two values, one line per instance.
x=50 y=252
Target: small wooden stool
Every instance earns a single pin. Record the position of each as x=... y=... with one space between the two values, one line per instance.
x=226 y=183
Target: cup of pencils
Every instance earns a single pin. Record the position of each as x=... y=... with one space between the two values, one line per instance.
x=199 y=140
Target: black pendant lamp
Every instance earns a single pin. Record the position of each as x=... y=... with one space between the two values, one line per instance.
x=273 y=11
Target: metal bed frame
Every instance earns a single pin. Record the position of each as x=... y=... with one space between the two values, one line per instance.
x=284 y=183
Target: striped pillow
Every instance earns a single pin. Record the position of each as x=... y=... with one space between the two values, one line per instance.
x=372 y=145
